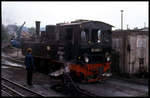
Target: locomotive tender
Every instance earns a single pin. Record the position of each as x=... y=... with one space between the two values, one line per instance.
x=82 y=48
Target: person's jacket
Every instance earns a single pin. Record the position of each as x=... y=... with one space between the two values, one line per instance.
x=29 y=62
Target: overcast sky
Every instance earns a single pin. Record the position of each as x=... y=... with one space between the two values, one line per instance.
x=135 y=13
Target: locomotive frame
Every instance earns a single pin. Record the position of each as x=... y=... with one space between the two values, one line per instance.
x=82 y=48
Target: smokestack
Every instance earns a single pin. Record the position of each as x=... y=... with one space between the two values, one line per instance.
x=144 y=25
x=37 y=23
x=121 y=19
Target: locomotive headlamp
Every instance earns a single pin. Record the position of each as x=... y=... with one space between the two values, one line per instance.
x=48 y=48
x=98 y=41
x=79 y=57
x=89 y=42
x=86 y=59
x=108 y=58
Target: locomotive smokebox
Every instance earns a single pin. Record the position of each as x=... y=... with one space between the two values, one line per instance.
x=37 y=23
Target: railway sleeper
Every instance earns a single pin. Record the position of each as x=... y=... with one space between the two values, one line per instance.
x=5 y=93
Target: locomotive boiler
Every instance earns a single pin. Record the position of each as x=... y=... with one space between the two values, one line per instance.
x=81 y=48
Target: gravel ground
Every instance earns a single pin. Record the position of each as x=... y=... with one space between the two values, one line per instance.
x=116 y=87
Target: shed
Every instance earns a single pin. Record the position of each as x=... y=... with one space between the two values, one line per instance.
x=132 y=48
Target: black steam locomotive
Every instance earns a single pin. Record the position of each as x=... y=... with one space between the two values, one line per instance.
x=81 y=48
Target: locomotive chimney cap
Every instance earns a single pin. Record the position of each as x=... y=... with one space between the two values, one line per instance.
x=37 y=21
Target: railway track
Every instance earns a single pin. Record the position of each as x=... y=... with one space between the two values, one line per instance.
x=72 y=89
x=8 y=65
x=83 y=92
x=12 y=62
x=10 y=88
x=13 y=59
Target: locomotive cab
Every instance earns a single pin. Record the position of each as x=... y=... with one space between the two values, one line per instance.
x=87 y=48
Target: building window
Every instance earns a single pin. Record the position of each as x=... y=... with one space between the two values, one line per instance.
x=141 y=43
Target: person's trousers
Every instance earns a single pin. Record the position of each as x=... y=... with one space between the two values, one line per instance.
x=29 y=77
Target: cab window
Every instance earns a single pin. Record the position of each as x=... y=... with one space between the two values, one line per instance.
x=99 y=36
x=83 y=36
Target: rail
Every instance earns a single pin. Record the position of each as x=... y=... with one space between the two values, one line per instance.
x=13 y=59
x=4 y=93
x=13 y=66
x=13 y=87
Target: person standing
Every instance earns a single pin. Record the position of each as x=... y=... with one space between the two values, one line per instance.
x=29 y=62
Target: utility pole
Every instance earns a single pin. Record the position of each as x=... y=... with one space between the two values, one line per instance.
x=127 y=27
x=121 y=19
x=144 y=24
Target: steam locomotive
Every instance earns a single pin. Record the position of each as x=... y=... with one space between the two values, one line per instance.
x=81 y=48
